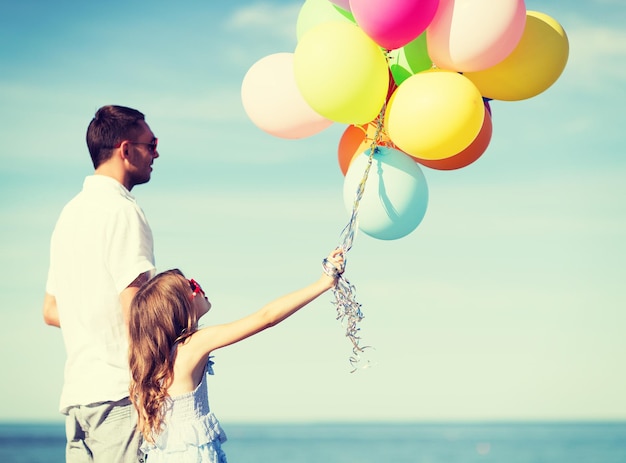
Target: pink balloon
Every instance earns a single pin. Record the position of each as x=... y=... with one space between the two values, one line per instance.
x=393 y=23
x=272 y=101
x=345 y=4
x=472 y=35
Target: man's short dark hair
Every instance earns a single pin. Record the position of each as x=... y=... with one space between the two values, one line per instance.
x=110 y=126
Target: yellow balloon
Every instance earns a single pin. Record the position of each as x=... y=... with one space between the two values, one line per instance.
x=341 y=73
x=434 y=114
x=532 y=67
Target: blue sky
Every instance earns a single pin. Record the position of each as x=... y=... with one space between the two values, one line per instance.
x=506 y=303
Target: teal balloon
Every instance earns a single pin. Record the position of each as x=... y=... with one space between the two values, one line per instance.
x=395 y=197
x=410 y=59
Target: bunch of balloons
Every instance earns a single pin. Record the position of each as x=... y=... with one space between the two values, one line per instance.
x=412 y=79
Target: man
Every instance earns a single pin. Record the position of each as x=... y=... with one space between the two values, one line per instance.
x=101 y=251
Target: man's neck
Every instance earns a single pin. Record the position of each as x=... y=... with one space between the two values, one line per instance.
x=109 y=171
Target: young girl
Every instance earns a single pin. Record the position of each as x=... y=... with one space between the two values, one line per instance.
x=169 y=360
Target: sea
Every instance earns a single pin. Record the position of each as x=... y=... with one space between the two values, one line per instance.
x=563 y=442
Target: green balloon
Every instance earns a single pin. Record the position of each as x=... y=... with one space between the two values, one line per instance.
x=410 y=59
x=314 y=12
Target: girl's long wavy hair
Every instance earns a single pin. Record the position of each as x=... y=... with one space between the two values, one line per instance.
x=161 y=315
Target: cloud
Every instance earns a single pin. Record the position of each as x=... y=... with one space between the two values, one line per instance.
x=200 y=105
x=597 y=56
x=274 y=20
x=608 y=2
x=258 y=30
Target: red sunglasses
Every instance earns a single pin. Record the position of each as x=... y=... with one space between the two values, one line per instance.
x=195 y=286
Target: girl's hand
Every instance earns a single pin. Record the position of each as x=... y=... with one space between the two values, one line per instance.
x=333 y=265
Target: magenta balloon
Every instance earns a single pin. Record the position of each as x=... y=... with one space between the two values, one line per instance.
x=345 y=4
x=393 y=23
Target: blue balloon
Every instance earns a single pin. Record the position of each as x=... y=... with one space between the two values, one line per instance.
x=395 y=197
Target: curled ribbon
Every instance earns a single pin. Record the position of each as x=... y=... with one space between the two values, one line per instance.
x=348 y=309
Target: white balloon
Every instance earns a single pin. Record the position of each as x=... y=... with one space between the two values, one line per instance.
x=273 y=102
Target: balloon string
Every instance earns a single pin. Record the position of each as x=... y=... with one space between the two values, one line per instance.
x=348 y=309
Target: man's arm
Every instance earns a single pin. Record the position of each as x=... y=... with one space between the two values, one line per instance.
x=50 y=311
x=129 y=292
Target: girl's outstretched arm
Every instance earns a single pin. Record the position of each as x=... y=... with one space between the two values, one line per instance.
x=195 y=350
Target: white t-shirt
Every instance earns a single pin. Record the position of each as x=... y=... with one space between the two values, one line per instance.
x=101 y=243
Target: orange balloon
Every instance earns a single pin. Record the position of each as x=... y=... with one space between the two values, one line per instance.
x=469 y=154
x=356 y=139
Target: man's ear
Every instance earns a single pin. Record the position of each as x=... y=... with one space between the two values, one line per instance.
x=123 y=153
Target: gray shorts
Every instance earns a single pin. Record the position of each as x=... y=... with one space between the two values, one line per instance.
x=103 y=433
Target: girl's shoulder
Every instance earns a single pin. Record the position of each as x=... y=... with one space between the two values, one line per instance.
x=189 y=367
